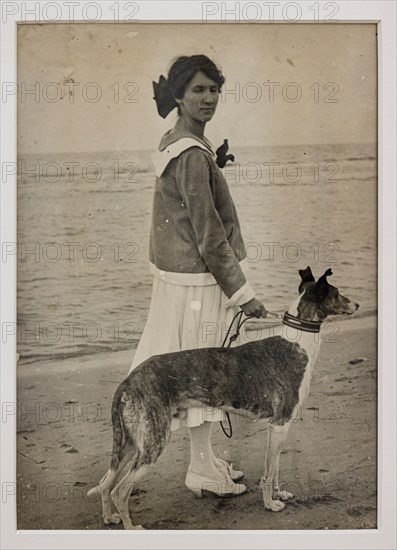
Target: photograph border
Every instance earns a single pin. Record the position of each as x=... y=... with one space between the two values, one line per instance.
x=384 y=14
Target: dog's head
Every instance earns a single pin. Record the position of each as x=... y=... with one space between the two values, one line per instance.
x=321 y=299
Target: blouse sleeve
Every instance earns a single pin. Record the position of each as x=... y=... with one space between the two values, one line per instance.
x=192 y=175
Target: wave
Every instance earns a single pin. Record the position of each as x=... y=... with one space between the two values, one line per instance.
x=31 y=358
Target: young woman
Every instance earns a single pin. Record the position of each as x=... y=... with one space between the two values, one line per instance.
x=197 y=253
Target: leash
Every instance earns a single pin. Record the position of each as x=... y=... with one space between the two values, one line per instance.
x=232 y=338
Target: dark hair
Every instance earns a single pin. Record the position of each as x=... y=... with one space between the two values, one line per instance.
x=185 y=67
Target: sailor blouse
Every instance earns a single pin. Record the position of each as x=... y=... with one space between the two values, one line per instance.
x=195 y=234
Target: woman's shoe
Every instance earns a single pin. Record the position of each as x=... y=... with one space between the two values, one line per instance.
x=225 y=488
x=229 y=471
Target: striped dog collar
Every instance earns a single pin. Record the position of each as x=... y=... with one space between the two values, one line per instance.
x=301 y=324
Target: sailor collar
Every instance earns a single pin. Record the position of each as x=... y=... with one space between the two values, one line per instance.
x=161 y=159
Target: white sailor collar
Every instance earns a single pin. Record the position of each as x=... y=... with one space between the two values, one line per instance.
x=161 y=159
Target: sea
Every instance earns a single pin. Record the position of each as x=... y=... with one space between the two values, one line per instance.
x=83 y=223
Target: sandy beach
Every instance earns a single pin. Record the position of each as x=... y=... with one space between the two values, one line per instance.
x=329 y=463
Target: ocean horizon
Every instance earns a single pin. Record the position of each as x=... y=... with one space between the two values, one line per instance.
x=83 y=232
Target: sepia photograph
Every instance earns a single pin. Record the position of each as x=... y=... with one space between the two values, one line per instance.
x=197 y=288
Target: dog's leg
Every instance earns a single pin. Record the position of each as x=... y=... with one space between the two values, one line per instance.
x=277 y=494
x=277 y=437
x=105 y=486
x=152 y=442
x=121 y=494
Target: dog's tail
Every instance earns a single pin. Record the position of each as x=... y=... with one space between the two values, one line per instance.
x=97 y=489
x=124 y=443
x=118 y=439
x=118 y=432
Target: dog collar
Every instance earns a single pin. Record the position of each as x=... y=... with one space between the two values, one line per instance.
x=301 y=324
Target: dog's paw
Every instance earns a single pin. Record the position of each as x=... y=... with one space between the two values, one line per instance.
x=283 y=495
x=275 y=505
x=113 y=518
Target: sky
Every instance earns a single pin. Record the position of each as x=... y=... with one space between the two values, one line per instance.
x=92 y=83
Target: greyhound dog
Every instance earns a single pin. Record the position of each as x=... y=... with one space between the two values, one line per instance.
x=266 y=379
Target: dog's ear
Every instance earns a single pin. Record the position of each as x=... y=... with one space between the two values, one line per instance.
x=322 y=286
x=306 y=276
x=323 y=278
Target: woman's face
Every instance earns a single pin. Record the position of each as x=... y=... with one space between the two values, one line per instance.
x=200 y=99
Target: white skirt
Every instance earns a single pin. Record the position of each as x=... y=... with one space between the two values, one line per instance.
x=185 y=317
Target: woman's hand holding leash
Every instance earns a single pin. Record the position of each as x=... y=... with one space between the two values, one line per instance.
x=254 y=308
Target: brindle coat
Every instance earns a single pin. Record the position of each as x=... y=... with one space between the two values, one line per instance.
x=266 y=379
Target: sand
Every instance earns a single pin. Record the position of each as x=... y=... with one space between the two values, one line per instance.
x=329 y=463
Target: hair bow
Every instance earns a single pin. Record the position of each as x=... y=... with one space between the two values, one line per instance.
x=221 y=154
x=163 y=97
